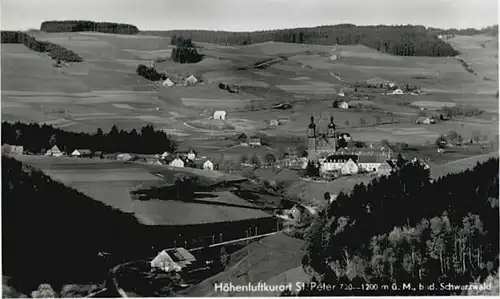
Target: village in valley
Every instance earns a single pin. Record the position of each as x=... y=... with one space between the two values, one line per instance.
x=208 y=157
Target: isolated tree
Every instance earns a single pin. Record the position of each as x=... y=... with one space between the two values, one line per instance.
x=454 y=137
x=224 y=258
x=243 y=159
x=270 y=159
x=52 y=140
x=359 y=144
x=44 y=291
x=441 y=141
x=301 y=151
x=184 y=185
x=378 y=119
x=255 y=160
x=362 y=121
x=312 y=169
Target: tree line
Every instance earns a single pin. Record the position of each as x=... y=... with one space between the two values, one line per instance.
x=37 y=138
x=184 y=51
x=396 y=40
x=55 y=51
x=150 y=73
x=78 y=26
x=489 y=30
x=409 y=229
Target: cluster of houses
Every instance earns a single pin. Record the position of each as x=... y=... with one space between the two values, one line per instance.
x=253 y=141
x=12 y=149
x=187 y=158
x=357 y=160
x=189 y=81
x=337 y=160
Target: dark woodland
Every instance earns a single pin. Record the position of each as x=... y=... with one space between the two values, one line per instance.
x=55 y=52
x=150 y=73
x=445 y=231
x=78 y=26
x=38 y=138
x=53 y=234
x=396 y=40
x=184 y=51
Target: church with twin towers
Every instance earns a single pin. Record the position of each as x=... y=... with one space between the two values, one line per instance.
x=321 y=144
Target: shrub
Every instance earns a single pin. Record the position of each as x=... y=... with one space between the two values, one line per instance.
x=150 y=73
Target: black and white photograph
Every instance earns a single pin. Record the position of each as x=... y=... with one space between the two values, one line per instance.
x=249 y=148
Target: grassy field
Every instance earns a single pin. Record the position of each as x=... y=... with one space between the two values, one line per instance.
x=273 y=260
x=104 y=89
x=110 y=182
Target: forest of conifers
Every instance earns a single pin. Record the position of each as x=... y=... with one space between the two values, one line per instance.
x=37 y=138
x=406 y=229
x=55 y=51
x=77 y=26
x=53 y=234
x=396 y=40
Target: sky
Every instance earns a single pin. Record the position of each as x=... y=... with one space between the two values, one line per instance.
x=249 y=15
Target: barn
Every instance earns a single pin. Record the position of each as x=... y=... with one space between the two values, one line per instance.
x=220 y=114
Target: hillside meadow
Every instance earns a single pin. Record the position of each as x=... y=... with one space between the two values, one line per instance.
x=104 y=89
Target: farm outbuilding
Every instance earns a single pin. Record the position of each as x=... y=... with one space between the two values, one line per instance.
x=168 y=83
x=343 y=105
x=173 y=259
x=220 y=114
x=191 y=80
x=254 y=141
x=273 y=123
x=424 y=120
x=208 y=165
x=124 y=157
x=397 y=91
x=81 y=153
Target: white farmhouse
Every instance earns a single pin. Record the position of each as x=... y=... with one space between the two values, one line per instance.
x=369 y=163
x=220 y=114
x=349 y=168
x=177 y=162
x=343 y=105
x=168 y=83
x=397 y=91
x=191 y=80
x=334 y=163
x=54 y=151
x=191 y=155
x=208 y=165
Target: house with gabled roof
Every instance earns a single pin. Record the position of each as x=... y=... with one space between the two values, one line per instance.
x=54 y=152
x=384 y=169
x=81 y=153
x=177 y=162
x=350 y=167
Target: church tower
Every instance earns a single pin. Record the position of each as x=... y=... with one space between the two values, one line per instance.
x=330 y=135
x=311 y=140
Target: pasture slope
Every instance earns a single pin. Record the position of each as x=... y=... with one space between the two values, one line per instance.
x=104 y=89
x=111 y=182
